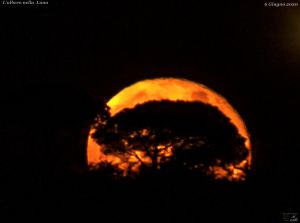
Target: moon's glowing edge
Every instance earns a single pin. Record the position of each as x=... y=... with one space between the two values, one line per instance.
x=172 y=89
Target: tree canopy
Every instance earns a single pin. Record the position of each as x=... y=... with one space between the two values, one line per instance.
x=173 y=136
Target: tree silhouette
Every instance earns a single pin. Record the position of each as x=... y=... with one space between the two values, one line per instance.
x=174 y=135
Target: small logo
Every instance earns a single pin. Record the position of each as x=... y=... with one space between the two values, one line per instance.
x=290 y=217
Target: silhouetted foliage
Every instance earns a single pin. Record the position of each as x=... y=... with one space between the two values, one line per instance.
x=198 y=135
x=107 y=170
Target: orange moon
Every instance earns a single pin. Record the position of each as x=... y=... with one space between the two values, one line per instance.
x=172 y=89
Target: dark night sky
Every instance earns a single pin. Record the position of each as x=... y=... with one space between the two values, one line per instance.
x=245 y=51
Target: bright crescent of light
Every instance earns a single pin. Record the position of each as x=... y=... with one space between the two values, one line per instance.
x=172 y=89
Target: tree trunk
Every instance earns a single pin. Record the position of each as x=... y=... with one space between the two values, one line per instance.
x=155 y=159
